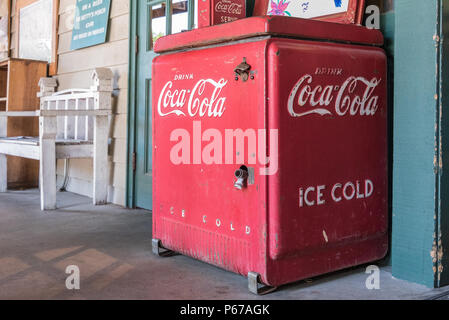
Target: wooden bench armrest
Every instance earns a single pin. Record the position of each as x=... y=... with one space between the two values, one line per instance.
x=18 y=114
x=64 y=96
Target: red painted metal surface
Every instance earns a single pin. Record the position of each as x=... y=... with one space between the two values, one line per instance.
x=269 y=26
x=321 y=107
x=213 y=12
x=204 y=16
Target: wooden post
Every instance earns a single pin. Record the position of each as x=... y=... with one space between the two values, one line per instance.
x=47 y=88
x=47 y=167
x=420 y=236
x=3 y=158
x=102 y=86
x=47 y=150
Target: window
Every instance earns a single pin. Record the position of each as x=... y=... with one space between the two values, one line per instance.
x=178 y=19
x=37 y=36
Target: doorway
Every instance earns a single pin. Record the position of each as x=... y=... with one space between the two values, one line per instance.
x=150 y=20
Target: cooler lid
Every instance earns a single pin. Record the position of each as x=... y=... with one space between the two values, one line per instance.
x=270 y=26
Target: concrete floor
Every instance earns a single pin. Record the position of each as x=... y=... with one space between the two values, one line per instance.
x=112 y=247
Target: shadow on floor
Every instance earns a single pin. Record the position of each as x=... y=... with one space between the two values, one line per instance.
x=111 y=247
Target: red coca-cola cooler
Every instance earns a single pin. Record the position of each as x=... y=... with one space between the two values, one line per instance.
x=270 y=147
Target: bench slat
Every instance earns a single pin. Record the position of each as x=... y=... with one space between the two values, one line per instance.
x=20 y=150
x=84 y=95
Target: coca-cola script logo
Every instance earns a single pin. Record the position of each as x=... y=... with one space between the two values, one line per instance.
x=202 y=100
x=344 y=98
x=227 y=6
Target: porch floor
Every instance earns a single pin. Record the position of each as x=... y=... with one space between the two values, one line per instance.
x=112 y=247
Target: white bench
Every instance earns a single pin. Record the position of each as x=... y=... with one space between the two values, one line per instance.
x=72 y=124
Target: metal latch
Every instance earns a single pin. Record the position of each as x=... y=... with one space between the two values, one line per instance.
x=242 y=177
x=242 y=71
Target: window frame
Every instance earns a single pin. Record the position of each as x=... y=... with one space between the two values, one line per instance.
x=20 y=4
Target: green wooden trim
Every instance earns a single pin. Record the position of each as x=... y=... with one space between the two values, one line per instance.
x=149 y=41
x=155 y=2
x=442 y=239
x=131 y=145
x=191 y=9
x=168 y=17
x=420 y=187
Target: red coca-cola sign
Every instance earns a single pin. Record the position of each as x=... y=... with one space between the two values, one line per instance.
x=338 y=100
x=205 y=99
x=228 y=10
x=212 y=12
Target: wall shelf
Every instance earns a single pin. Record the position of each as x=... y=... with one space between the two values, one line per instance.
x=18 y=91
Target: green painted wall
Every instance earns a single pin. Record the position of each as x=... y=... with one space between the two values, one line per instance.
x=420 y=187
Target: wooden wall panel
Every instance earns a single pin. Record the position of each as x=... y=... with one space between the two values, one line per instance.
x=74 y=71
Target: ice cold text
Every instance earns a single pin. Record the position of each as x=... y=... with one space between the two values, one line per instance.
x=321 y=194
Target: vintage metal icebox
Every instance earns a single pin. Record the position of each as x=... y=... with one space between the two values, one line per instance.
x=270 y=147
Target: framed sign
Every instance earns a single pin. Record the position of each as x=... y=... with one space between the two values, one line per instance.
x=5 y=15
x=35 y=36
x=342 y=11
x=37 y=31
x=91 y=23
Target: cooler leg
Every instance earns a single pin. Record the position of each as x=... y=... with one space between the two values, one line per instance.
x=253 y=285
x=160 y=251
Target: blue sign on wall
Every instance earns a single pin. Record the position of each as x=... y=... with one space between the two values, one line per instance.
x=91 y=23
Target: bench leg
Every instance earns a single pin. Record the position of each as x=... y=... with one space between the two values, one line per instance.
x=47 y=166
x=3 y=173
x=101 y=165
